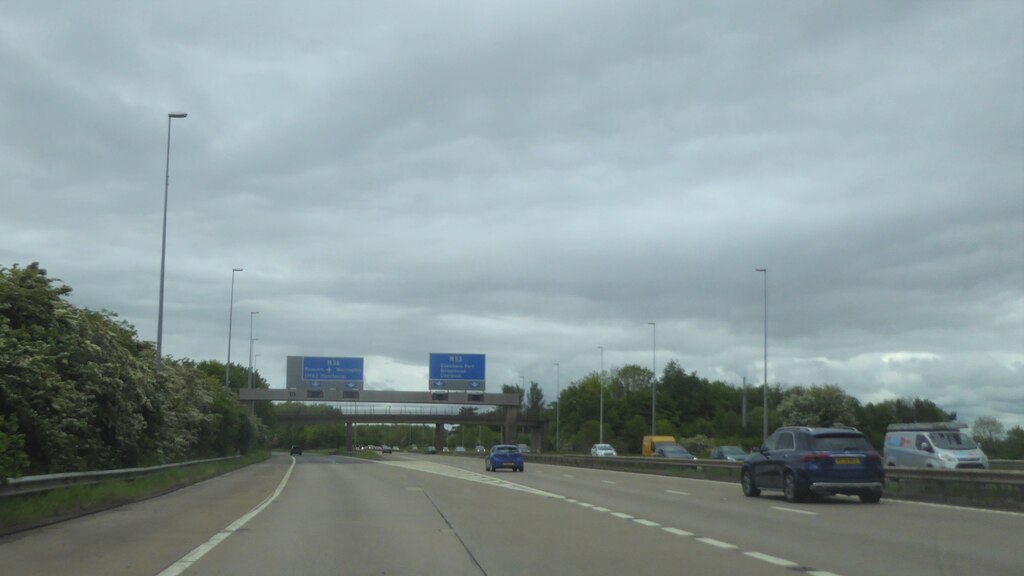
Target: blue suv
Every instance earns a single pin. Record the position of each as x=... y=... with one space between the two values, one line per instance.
x=801 y=460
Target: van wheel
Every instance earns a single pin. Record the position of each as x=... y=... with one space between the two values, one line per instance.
x=790 y=489
x=747 y=481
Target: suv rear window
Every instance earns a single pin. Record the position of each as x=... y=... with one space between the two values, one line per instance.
x=841 y=443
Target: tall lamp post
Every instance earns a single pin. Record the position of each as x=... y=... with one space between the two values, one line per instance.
x=654 y=370
x=764 y=430
x=163 y=243
x=558 y=406
x=231 y=313
x=600 y=383
x=251 y=316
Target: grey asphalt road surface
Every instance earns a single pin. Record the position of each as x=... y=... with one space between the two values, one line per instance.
x=424 y=515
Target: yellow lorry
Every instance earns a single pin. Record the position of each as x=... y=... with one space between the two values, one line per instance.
x=651 y=443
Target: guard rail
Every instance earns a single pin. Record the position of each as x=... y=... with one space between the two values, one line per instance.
x=43 y=482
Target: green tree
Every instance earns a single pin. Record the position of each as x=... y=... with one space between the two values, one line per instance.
x=826 y=405
x=987 y=430
x=534 y=401
x=13 y=459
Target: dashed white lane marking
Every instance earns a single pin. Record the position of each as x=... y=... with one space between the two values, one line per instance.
x=795 y=511
x=607 y=481
x=186 y=561
x=566 y=475
x=485 y=479
x=772 y=559
x=453 y=472
x=718 y=543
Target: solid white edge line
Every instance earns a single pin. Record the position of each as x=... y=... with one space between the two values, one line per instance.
x=186 y=561
x=772 y=559
x=821 y=573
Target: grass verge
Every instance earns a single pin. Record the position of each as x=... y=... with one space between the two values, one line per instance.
x=25 y=511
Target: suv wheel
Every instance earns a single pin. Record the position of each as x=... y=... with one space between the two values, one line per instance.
x=870 y=497
x=749 y=490
x=790 y=489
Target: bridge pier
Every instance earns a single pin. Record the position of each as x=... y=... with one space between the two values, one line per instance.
x=440 y=441
x=349 y=436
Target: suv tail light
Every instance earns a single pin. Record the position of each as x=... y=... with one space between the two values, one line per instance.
x=815 y=457
x=874 y=456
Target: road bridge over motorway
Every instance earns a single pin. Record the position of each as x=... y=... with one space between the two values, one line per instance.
x=506 y=412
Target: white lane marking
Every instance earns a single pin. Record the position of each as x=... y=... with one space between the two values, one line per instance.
x=772 y=559
x=566 y=475
x=601 y=509
x=951 y=507
x=192 y=557
x=795 y=511
x=607 y=481
x=571 y=501
x=718 y=543
x=678 y=492
x=646 y=522
x=584 y=504
x=622 y=515
x=453 y=472
x=821 y=573
x=677 y=532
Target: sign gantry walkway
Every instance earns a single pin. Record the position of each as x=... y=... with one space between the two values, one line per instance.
x=507 y=414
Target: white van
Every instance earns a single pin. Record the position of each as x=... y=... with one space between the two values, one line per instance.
x=932 y=445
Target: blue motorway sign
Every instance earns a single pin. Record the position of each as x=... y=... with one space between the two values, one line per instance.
x=458 y=372
x=348 y=370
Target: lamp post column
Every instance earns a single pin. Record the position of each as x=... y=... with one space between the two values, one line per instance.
x=163 y=243
x=600 y=384
x=558 y=407
x=764 y=431
x=654 y=380
x=251 y=316
x=231 y=313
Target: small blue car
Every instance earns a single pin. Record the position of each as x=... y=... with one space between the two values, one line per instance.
x=504 y=456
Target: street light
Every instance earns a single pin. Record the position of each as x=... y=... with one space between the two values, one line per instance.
x=558 y=406
x=764 y=430
x=251 y=316
x=231 y=312
x=163 y=244
x=654 y=369
x=600 y=383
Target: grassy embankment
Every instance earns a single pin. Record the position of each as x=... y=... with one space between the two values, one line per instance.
x=30 y=510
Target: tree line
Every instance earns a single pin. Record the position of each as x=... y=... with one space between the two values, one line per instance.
x=79 y=391
x=704 y=413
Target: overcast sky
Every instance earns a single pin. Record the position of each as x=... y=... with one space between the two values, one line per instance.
x=533 y=180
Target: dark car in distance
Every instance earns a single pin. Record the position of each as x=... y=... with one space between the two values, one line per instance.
x=802 y=461
x=296 y=450
x=504 y=456
x=672 y=451
x=734 y=453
